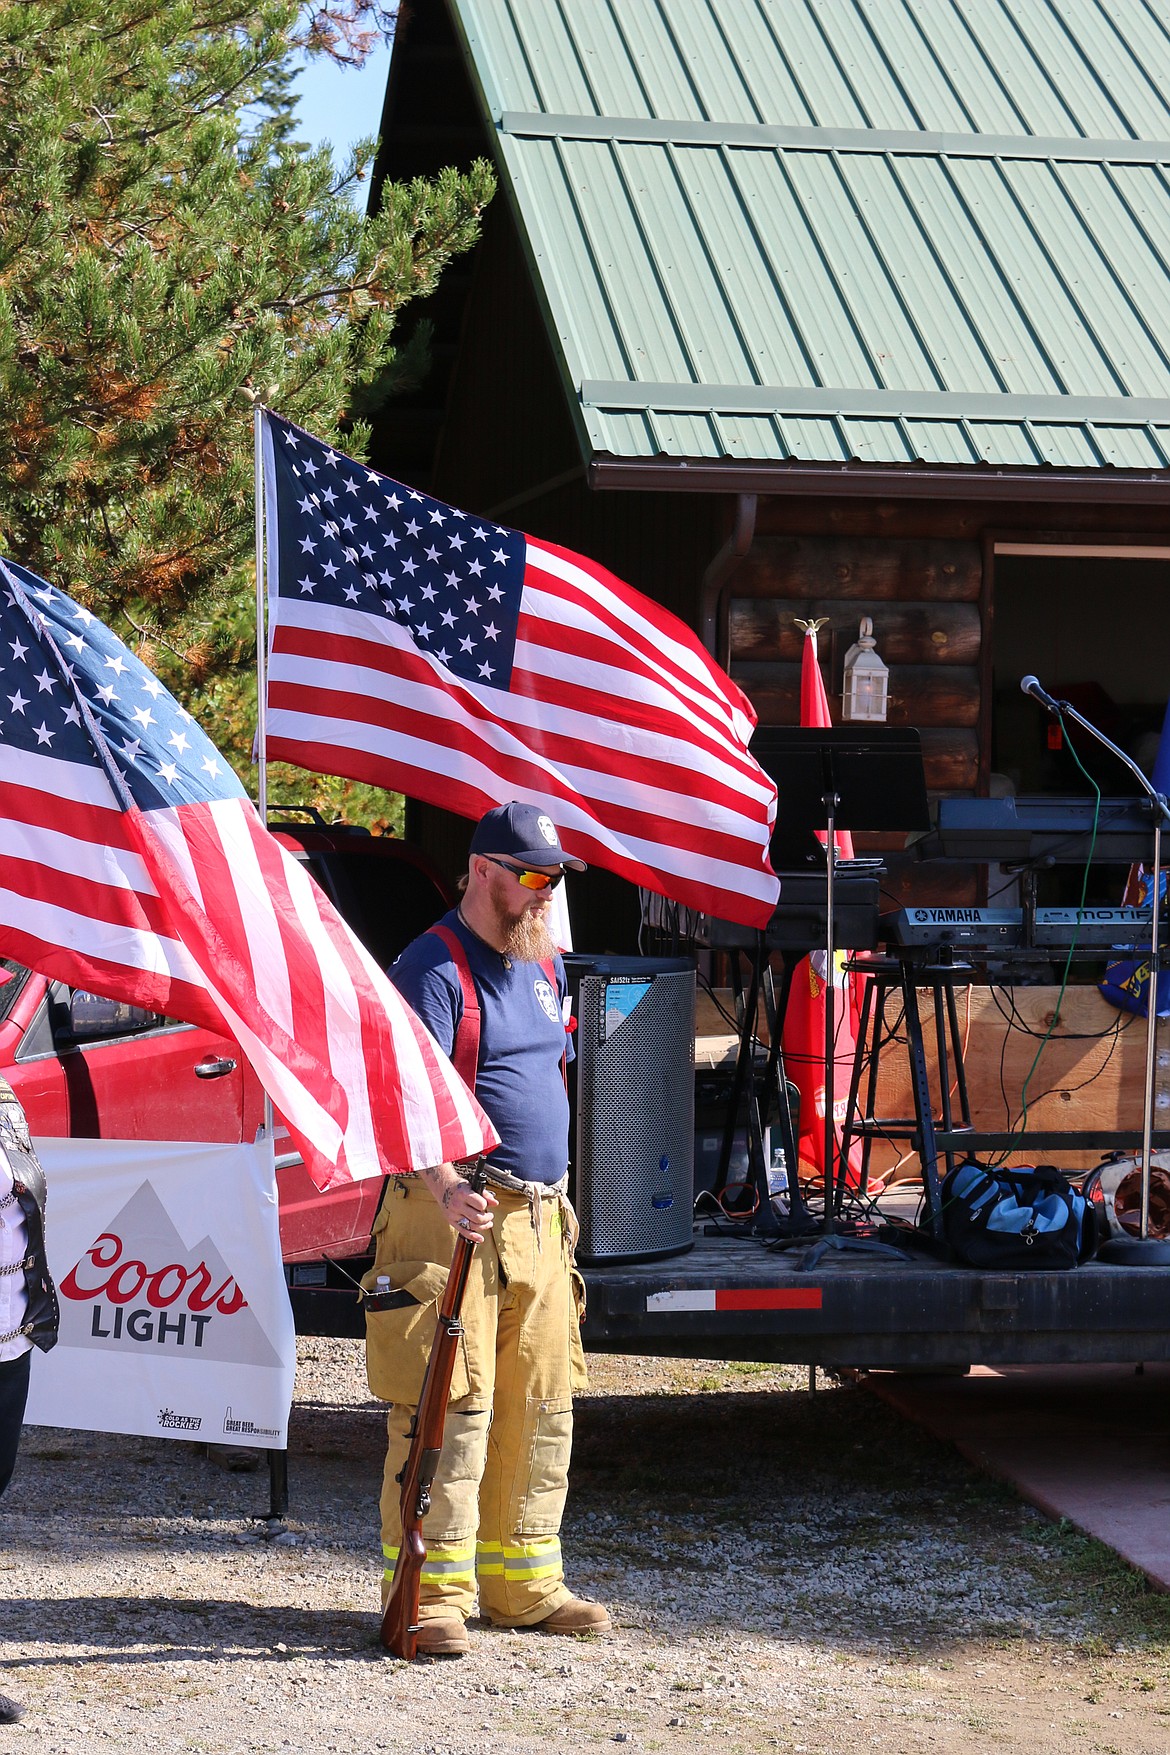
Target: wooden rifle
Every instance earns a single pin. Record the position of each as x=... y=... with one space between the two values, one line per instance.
x=399 y=1631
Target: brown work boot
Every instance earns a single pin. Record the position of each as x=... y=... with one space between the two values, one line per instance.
x=442 y=1636
x=575 y=1616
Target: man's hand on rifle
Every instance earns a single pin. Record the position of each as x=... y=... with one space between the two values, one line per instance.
x=469 y=1214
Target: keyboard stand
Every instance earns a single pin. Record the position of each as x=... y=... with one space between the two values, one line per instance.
x=904 y=975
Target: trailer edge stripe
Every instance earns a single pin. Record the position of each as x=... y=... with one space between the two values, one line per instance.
x=738 y=1298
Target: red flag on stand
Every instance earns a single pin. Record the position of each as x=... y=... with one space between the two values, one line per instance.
x=804 y=1025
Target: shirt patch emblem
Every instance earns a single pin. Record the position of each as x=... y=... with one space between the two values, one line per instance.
x=548 y=1001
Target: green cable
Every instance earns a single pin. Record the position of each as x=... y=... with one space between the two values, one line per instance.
x=1019 y=1132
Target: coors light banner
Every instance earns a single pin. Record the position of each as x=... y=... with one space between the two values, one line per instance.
x=175 y=1321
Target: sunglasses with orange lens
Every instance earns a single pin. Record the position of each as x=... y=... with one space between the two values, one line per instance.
x=531 y=880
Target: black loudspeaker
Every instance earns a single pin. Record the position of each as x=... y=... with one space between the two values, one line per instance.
x=632 y=1097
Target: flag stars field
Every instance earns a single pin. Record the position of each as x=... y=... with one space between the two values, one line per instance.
x=95 y=657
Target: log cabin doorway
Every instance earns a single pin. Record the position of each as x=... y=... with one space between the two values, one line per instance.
x=1092 y=621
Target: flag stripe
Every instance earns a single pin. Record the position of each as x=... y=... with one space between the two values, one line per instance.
x=564 y=653
x=691 y=887
x=133 y=865
x=470 y=784
x=299 y=1072
x=635 y=805
x=648 y=660
x=332 y=991
x=258 y=892
x=154 y=972
x=68 y=781
x=375 y=714
x=416 y=647
x=114 y=877
x=386 y=670
x=637 y=619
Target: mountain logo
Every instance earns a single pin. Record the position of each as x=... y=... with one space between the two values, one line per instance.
x=138 y=1287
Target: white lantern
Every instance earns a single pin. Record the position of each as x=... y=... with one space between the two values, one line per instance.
x=866 y=680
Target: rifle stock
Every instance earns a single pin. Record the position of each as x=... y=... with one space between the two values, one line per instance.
x=399 y=1630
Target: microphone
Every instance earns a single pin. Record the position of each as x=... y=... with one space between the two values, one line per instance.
x=1030 y=685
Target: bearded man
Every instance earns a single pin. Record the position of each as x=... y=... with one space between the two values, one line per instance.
x=489 y=984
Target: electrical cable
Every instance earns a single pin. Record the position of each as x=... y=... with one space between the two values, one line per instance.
x=1018 y=1133
x=718 y=1199
x=712 y=993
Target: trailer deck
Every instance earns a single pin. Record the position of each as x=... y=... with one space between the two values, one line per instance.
x=732 y=1297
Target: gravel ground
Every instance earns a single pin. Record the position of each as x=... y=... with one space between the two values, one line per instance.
x=786 y=1571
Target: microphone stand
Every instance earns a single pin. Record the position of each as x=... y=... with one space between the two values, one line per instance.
x=1142 y=1250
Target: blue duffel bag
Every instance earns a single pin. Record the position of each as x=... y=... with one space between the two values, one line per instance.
x=1028 y=1217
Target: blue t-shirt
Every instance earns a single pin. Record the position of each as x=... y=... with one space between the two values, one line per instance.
x=522 y=1040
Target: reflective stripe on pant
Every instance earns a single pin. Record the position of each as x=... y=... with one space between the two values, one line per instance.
x=518 y=1562
x=503 y=1472
x=449 y=1567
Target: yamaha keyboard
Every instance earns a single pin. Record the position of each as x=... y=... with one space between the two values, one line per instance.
x=799 y=922
x=992 y=929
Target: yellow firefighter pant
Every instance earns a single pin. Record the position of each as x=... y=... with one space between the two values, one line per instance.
x=499 y=1490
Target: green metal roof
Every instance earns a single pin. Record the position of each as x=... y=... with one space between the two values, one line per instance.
x=890 y=231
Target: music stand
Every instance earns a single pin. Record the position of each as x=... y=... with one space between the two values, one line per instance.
x=830 y=778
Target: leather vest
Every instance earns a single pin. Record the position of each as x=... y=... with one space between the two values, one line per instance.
x=28 y=1181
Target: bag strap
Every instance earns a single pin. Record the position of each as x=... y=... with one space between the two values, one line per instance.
x=465 y=1048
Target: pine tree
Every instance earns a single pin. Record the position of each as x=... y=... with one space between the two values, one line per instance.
x=169 y=250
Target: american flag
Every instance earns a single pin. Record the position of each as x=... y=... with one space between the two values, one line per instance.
x=439 y=654
x=133 y=864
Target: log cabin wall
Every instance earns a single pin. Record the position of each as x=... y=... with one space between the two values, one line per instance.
x=923 y=595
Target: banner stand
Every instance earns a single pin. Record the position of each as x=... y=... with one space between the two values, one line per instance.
x=274 y=1517
x=175 y=1316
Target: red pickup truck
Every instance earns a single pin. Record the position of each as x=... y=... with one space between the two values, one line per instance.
x=98 y=1068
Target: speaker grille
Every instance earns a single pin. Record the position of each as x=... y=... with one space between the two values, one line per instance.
x=635 y=1132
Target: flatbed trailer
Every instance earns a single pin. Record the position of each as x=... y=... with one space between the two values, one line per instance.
x=734 y=1298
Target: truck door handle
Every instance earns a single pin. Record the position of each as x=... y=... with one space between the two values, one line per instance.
x=214 y=1069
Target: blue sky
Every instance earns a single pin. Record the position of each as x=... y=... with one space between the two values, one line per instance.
x=339 y=104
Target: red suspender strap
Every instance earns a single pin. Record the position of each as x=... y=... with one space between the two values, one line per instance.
x=465 y=1052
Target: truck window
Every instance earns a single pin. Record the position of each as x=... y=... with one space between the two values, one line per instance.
x=13 y=976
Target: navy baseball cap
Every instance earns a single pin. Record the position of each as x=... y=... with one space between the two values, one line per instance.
x=523 y=832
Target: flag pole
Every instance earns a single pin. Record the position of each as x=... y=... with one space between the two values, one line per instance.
x=261 y=652
x=268 y=1129
x=277 y=1459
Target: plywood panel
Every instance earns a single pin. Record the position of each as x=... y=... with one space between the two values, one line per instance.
x=1090 y=1074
